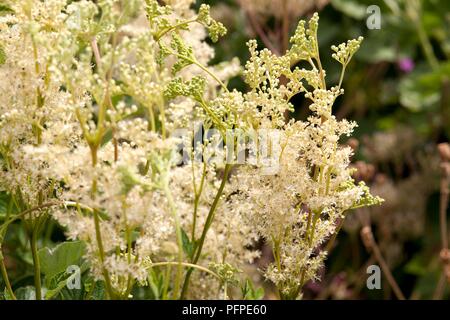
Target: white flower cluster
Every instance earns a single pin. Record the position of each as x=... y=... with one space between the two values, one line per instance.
x=95 y=139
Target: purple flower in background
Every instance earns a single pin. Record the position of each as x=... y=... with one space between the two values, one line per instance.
x=406 y=65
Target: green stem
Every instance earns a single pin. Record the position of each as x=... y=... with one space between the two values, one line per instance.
x=225 y=291
x=198 y=64
x=341 y=78
x=159 y=35
x=198 y=194
x=162 y=114
x=276 y=255
x=319 y=63
x=151 y=116
x=310 y=238
x=5 y=276
x=101 y=251
x=216 y=120
x=24 y=213
x=166 y=282
x=426 y=47
x=94 y=145
x=179 y=274
x=130 y=281
x=185 y=264
x=208 y=222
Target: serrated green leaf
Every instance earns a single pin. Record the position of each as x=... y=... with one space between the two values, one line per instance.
x=62 y=284
x=250 y=293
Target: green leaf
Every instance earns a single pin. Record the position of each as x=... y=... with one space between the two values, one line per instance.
x=55 y=261
x=250 y=293
x=188 y=246
x=62 y=284
x=156 y=283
